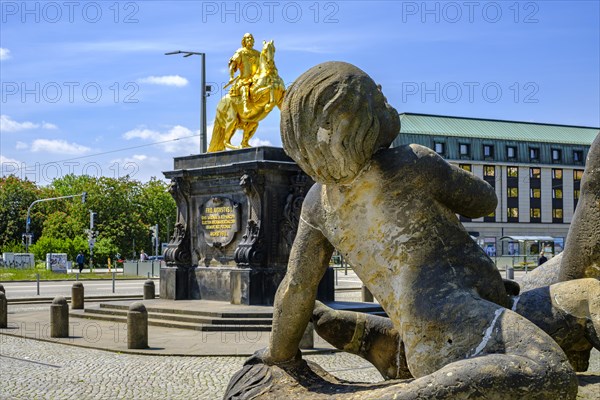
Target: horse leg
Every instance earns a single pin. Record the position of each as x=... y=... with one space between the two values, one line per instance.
x=249 y=131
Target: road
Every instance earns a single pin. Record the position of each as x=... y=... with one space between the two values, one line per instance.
x=16 y=290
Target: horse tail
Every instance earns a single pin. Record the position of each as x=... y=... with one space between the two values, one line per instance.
x=218 y=134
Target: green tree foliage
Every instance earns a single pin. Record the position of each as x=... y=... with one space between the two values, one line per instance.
x=15 y=197
x=126 y=209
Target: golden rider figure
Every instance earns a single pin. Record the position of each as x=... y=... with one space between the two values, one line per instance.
x=246 y=61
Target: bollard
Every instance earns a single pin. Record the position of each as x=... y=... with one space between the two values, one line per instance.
x=3 y=310
x=113 y=281
x=77 y=298
x=38 y=283
x=137 y=326
x=308 y=338
x=77 y=277
x=367 y=296
x=510 y=273
x=149 y=291
x=59 y=318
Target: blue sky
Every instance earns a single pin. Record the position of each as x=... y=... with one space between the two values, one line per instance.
x=86 y=87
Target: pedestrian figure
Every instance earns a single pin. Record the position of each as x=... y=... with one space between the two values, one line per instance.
x=542 y=258
x=80 y=260
x=143 y=256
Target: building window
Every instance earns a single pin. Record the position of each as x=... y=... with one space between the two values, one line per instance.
x=489 y=170
x=557 y=194
x=464 y=149
x=576 y=193
x=438 y=147
x=557 y=214
x=536 y=193
x=556 y=155
x=511 y=152
x=557 y=174
x=535 y=173
x=513 y=192
x=578 y=156
x=534 y=153
x=466 y=167
x=488 y=150
x=535 y=213
x=513 y=213
x=577 y=174
x=512 y=172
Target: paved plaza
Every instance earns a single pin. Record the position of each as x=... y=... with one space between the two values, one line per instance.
x=35 y=366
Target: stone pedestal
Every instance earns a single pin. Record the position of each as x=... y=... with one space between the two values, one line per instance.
x=238 y=213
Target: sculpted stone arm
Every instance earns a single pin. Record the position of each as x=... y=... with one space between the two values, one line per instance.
x=295 y=299
x=459 y=190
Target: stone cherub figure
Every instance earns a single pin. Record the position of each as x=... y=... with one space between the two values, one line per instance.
x=392 y=214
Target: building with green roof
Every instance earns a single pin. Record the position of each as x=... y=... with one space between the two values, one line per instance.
x=535 y=168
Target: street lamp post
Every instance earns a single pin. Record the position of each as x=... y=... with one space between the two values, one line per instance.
x=203 y=144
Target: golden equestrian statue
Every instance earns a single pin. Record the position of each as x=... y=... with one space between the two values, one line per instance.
x=254 y=92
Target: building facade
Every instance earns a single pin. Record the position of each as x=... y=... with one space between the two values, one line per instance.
x=535 y=169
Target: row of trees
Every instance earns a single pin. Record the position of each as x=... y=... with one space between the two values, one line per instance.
x=126 y=210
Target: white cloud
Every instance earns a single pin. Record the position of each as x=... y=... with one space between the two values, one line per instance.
x=58 y=147
x=21 y=146
x=8 y=166
x=47 y=125
x=4 y=54
x=175 y=140
x=166 y=80
x=255 y=142
x=7 y=124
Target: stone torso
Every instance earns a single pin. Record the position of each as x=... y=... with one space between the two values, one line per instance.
x=393 y=230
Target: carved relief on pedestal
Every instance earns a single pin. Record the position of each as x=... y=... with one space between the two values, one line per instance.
x=178 y=251
x=250 y=249
x=299 y=186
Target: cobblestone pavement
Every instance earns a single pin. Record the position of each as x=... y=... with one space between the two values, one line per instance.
x=32 y=370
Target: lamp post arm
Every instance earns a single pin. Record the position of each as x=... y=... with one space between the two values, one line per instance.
x=48 y=199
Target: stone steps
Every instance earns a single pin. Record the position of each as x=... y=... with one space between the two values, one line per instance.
x=202 y=318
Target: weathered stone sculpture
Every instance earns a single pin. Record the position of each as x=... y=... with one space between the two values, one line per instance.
x=391 y=212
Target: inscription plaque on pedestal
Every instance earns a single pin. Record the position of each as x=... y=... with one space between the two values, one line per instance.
x=220 y=221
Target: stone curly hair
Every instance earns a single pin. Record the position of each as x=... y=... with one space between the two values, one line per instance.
x=333 y=118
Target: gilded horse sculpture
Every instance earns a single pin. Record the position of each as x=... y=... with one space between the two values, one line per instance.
x=240 y=111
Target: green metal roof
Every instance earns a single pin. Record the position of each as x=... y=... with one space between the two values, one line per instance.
x=440 y=125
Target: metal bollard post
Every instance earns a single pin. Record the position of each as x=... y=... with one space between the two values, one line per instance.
x=77 y=277
x=3 y=310
x=510 y=272
x=77 y=298
x=113 y=281
x=38 y=283
x=149 y=290
x=137 y=326
x=59 y=318
x=367 y=296
x=308 y=338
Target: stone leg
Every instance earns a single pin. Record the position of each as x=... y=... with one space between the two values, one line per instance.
x=570 y=313
x=369 y=336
